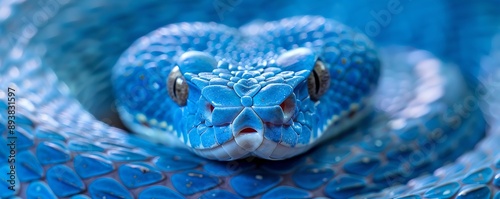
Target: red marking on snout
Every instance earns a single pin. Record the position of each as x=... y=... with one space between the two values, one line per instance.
x=210 y=108
x=248 y=130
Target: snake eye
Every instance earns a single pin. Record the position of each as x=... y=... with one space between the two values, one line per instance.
x=318 y=81
x=177 y=87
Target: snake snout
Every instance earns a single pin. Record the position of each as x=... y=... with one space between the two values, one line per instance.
x=248 y=130
x=249 y=139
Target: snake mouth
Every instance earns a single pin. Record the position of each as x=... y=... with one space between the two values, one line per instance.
x=247 y=130
x=249 y=139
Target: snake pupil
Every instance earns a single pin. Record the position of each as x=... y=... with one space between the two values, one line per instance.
x=318 y=81
x=177 y=87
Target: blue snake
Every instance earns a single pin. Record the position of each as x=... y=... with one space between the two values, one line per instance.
x=253 y=92
x=301 y=107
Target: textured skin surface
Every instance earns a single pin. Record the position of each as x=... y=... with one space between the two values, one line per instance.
x=259 y=82
x=83 y=156
x=63 y=151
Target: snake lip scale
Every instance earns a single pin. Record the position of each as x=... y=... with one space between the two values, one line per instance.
x=326 y=113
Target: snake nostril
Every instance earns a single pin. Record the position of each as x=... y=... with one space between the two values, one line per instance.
x=283 y=106
x=210 y=108
x=248 y=130
x=288 y=107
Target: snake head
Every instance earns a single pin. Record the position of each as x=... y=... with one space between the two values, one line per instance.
x=262 y=109
x=271 y=91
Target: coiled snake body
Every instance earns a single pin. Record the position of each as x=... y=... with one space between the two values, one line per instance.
x=300 y=90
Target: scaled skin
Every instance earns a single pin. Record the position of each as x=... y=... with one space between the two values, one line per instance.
x=248 y=91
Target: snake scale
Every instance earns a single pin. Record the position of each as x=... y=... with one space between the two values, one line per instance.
x=326 y=113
